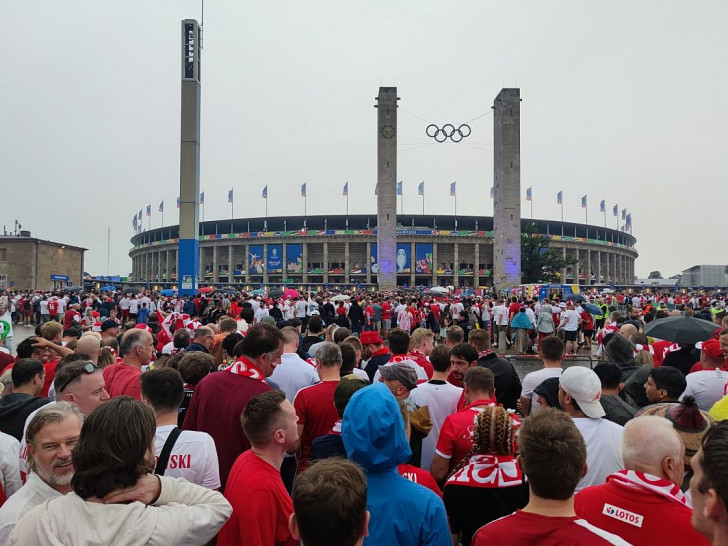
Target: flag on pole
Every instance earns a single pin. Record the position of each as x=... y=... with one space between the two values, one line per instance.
x=265 y=192
x=529 y=195
x=230 y=196
x=303 y=189
x=629 y=220
x=140 y=215
x=624 y=214
x=202 y=198
x=178 y=202
x=149 y=210
x=603 y=206
x=399 y=188
x=345 y=191
x=161 y=206
x=452 y=189
x=583 y=202
x=134 y=222
x=421 y=188
x=560 y=198
x=492 y=192
x=615 y=209
x=376 y=189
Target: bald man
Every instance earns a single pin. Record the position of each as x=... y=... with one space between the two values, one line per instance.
x=643 y=504
x=90 y=346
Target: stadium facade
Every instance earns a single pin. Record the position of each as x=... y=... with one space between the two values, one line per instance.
x=441 y=250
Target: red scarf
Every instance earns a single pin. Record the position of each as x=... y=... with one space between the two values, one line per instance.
x=483 y=354
x=490 y=472
x=246 y=368
x=658 y=486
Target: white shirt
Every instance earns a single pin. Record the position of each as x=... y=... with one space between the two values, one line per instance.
x=292 y=374
x=500 y=315
x=61 y=306
x=124 y=303
x=421 y=373
x=533 y=380
x=44 y=307
x=441 y=398
x=34 y=492
x=9 y=469
x=707 y=386
x=8 y=317
x=603 y=441
x=134 y=306
x=193 y=457
x=301 y=309
x=570 y=320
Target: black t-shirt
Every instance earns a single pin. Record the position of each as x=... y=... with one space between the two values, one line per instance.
x=507 y=382
x=469 y=508
x=682 y=359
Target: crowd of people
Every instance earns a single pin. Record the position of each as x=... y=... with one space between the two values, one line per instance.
x=360 y=418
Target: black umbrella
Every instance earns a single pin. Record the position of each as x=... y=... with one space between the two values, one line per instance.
x=433 y=293
x=575 y=297
x=681 y=329
x=275 y=293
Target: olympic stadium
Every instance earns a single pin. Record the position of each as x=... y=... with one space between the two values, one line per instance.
x=341 y=251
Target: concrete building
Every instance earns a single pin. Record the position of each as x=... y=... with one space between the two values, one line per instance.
x=429 y=251
x=27 y=263
x=707 y=276
x=387 y=187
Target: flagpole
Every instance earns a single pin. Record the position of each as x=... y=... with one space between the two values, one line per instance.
x=605 y=215
x=531 y=205
x=423 y=200
x=562 y=214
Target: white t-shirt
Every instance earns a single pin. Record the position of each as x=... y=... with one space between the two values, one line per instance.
x=533 y=380
x=570 y=319
x=134 y=306
x=44 y=307
x=603 y=441
x=441 y=398
x=500 y=315
x=34 y=492
x=421 y=373
x=193 y=457
x=292 y=374
x=124 y=303
x=9 y=470
x=707 y=386
x=301 y=309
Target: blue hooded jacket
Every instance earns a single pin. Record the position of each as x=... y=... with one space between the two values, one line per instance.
x=403 y=513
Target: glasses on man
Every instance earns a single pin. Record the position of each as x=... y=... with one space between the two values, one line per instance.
x=88 y=369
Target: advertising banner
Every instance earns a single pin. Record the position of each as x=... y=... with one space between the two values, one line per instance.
x=404 y=251
x=275 y=258
x=294 y=258
x=373 y=264
x=255 y=259
x=423 y=258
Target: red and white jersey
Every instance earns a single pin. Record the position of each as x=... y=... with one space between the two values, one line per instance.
x=193 y=457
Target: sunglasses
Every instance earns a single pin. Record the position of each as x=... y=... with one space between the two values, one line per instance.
x=88 y=368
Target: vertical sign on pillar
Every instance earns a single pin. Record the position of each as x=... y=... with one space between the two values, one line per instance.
x=189 y=173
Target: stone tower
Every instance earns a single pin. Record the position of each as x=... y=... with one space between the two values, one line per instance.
x=387 y=184
x=507 y=190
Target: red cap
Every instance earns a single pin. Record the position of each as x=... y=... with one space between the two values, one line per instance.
x=370 y=337
x=712 y=349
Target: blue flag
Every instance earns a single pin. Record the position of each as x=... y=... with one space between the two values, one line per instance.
x=399 y=188
x=452 y=189
x=603 y=206
x=492 y=192
x=345 y=191
x=230 y=196
x=421 y=188
x=265 y=192
x=303 y=189
x=161 y=206
x=149 y=210
x=560 y=198
x=615 y=209
x=202 y=198
x=178 y=202
x=529 y=195
x=583 y=202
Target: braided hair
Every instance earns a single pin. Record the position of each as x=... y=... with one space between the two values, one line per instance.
x=493 y=434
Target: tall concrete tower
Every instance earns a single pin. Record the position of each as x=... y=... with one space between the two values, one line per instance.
x=387 y=184
x=507 y=189
x=189 y=160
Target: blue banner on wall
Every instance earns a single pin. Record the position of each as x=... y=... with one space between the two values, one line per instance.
x=294 y=258
x=373 y=263
x=255 y=260
x=275 y=258
x=404 y=251
x=423 y=258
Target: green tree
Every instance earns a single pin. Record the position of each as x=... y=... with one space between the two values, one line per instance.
x=540 y=264
x=655 y=275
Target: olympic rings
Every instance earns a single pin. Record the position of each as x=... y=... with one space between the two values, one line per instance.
x=448 y=131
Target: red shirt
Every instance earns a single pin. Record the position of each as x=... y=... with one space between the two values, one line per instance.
x=386 y=311
x=527 y=529
x=50 y=375
x=316 y=413
x=421 y=359
x=456 y=434
x=639 y=516
x=123 y=380
x=263 y=522
x=53 y=308
x=68 y=318
x=420 y=476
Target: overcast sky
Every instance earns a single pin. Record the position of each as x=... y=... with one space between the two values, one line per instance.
x=622 y=100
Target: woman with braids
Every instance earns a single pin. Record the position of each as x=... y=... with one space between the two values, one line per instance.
x=488 y=484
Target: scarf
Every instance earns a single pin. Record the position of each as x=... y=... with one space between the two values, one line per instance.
x=490 y=472
x=336 y=429
x=483 y=354
x=245 y=368
x=658 y=486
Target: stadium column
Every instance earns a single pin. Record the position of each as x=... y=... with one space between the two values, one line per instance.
x=369 y=263
x=599 y=267
x=266 y=278
x=456 y=264
x=507 y=189
x=168 y=272
x=189 y=175
x=476 y=266
x=387 y=182
x=413 y=265
x=284 y=262
x=215 y=277
x=305 y=263
x=326 y=263
x=246 y=269
x=434 y=264
x=563 y=271
x=159 y=266
x=347 y=266
x=231 y=265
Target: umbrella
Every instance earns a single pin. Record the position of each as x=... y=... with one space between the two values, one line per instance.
x=575 y=297
x=132 y=291
x=440 y=289
x=592 y=309
x=107 y=288
x=275 y=293
x=167 y=292
x=433 y=293
x=205 y=289
x=341 y=297
x=258 y=292
x=291 y=292
x=681 y=329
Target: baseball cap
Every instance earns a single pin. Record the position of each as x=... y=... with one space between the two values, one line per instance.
x=585 y=387
x=712 y=349
x=402 y=372
x=369 y=337
x=346 y=388
x=109 y=323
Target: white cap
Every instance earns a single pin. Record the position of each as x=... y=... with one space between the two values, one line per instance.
x=584 y=386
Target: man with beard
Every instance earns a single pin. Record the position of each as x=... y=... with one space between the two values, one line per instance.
x=51 y=436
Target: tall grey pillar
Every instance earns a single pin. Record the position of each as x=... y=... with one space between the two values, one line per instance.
x=347 y=265
x=387 y=183
x=507 y=189
x=215 y=264
x=455 y=265
x=435 y=265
